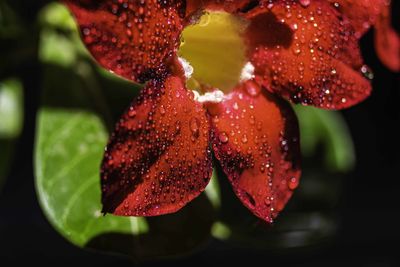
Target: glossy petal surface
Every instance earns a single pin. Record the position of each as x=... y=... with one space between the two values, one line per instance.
x=158 y=158
x=134 y=39
x=361 y=13
x=387 y=41
x=307 y=53
x=256 y=140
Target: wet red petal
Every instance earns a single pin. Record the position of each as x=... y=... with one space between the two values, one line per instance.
x=134 y=39
x=361 y=13
x=387 y=41
x=256 y=140
x=158 y=158
x=305 y=52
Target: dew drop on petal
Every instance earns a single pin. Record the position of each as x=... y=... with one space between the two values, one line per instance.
x=367 y=72
x=304 y=3
x=195 y=126
x=252 y=88
x=223 y=138
x=293 y=183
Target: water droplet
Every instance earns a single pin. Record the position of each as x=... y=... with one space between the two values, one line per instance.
x=223 y=138
x=178 y=125
x=367 y=72
x=293 y=183
x=132 y=113
x=304 y=3
x=252 y=120
x=161 y=178
x=162 y=110
x=268 y=201
x=262 y=169
x=86 y=31
x=296 y=51
x=194 y=125
x=252 y=88
x=244 y=139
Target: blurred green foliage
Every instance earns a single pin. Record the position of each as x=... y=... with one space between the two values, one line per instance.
x=11 y=118
x=11 y=103
x=11 y=89
x=10 y=24
x=327 y=129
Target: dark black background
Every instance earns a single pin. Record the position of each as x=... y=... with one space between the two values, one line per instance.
x=369 y=207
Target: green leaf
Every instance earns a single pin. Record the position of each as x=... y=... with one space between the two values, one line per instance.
x=11 y=113
x=56 y=48
x=213 y=191
x=60 y=41
x=55 y=15
x=72 y=131
x=11 y=117
x=328 y=128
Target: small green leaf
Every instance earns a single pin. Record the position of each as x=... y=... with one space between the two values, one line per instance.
x=11 y=118
x=11 y=114
x=56 y=15
x=213 y=192
x=56 y=48
x=72 y=131
x=60 y=41
x=221 y=231
x=328 y=128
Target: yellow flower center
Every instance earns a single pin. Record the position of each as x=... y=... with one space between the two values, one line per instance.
x=213 y=53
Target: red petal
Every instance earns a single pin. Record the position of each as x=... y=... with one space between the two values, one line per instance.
x=361 y=13
x=134 y=39
x=306 y=53
x=158 y=158
x=387 y=41
x=256 y=140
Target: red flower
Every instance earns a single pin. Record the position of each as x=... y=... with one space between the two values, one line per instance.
x=160 y=155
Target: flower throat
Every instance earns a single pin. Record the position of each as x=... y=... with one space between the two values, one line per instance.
x=213 y=53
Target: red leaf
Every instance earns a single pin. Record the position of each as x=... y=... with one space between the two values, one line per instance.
x=305 y=52
x=256 y=140
x=158 y=158
x=135 y=39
